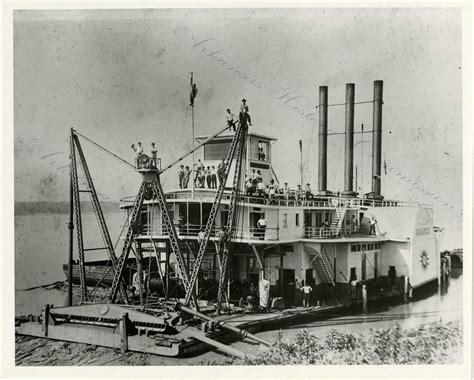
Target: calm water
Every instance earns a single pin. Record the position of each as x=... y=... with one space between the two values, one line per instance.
x=41 y=249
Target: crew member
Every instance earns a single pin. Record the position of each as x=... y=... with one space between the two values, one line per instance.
x=230 y=119
x=262 y=225
x=139 y=151
x=373 y=223
x=154 y=153
x=306 y=289
x=181 y=174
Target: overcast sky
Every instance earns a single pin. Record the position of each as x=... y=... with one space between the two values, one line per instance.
x=121 y=76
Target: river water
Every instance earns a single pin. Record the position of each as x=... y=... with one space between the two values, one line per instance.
x=41 y=248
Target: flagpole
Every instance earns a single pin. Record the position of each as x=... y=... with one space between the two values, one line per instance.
x=362 y=163
x=192 y=122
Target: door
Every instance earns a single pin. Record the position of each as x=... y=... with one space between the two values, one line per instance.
x=289 y=286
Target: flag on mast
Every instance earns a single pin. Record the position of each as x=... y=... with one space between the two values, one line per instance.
x=193 y=92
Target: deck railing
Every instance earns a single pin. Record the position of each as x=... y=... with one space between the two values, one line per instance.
x=192 y=230
x=292 y=200
x=328 y=232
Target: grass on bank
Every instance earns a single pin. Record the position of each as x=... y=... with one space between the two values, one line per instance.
x=433 y=343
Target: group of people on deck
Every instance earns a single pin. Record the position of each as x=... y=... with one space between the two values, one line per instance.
x=255 y=186
x=152 y=163
x=204 y=176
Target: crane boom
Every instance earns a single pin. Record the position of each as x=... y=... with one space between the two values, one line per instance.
x=237 y=142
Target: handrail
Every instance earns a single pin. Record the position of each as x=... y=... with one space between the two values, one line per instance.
x=291 y=201
x=192 y=230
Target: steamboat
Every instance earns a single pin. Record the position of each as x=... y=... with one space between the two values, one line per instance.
x=211 y=265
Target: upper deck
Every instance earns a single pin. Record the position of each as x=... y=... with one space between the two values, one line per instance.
x=322 y=218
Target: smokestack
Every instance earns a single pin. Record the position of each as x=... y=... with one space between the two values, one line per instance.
x=323 y=140
x=349 y=142
x=377 y=140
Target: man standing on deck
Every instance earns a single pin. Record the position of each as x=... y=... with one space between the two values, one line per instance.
x=244 y=115
x=213 y=177
x=154 y=153
x=181 y=174
x=139 y=151
x=187 y=174
x=262 y=225
x=286 y=192
x=306 y=289
x=373 y=223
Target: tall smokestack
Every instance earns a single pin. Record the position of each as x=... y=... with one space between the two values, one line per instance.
x=349 y=142
x=323 y=140
x=377 y=139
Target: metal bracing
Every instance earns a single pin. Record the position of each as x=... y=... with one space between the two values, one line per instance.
x=127 y=244
x=98 y=210
x=231 y=219
x=173 y=236
x=212 y=215
x=78 y=218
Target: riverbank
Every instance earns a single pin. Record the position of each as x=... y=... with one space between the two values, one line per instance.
x=438 y=342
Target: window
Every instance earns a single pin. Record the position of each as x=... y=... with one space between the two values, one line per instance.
x=285 y=220
x=297 y=219
x=353 y=248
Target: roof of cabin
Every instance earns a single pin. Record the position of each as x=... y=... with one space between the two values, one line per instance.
x=229 y=136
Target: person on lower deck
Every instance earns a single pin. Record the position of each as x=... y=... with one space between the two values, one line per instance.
x=306 y=289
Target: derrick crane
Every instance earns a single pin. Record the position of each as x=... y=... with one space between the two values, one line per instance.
x=238 y=143
x=75 y=145
x=151 y=180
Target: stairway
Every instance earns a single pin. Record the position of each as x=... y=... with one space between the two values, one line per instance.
x=337 y=220
x=321 y=264
x=322 y=267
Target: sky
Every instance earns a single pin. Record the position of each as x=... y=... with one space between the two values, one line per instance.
x=122 y=76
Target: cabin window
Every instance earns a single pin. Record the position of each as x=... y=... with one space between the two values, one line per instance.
x=259 y=150
x=353 y=248
x=285 y=220
x=297 y=221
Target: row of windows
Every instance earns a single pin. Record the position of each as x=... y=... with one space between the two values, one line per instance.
x=364 y=247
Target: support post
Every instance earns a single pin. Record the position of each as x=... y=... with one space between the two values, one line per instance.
x=124 y=333
x=71 y=243
x=405 y=288
x=45 y=319
x=364 y=298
